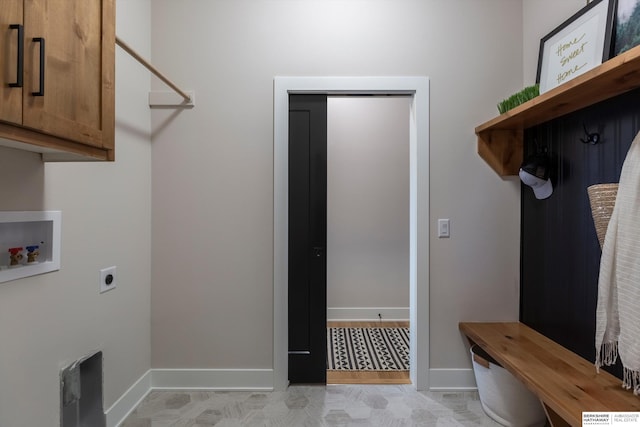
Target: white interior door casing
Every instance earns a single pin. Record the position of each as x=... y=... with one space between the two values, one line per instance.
x=418 y=89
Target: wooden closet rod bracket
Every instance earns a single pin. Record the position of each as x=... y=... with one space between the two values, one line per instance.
x=153 y=69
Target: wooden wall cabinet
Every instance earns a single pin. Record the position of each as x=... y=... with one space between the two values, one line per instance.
x=500 y=139
x=57 y=70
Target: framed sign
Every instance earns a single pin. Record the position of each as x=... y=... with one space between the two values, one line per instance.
x=577 y=45
x=627 y=25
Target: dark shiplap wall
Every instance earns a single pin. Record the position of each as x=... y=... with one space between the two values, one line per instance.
x=560 y=254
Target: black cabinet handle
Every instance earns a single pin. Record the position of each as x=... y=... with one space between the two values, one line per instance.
x=41 y=41
x=20 y=59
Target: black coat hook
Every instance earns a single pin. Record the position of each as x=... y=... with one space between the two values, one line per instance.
x=591 y=138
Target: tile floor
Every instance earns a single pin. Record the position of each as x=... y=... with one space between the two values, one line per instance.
x=311 y=406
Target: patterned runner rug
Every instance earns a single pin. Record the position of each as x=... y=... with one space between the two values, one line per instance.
x=368 y=349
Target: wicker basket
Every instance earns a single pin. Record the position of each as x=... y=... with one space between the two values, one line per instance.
x=602 y=198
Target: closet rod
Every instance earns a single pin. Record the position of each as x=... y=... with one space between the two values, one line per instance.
x=151 y=68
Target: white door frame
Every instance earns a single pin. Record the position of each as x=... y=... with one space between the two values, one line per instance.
x=418 y=88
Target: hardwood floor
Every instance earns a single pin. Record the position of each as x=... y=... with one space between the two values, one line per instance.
x=368 y=377
x=373 y=324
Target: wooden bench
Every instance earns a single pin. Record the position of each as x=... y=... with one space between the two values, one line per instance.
x=565 y=383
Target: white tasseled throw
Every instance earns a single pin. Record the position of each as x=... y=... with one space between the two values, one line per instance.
x=618 y=309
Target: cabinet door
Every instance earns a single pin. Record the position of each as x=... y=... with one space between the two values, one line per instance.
x=76 y=99
x=10 y=96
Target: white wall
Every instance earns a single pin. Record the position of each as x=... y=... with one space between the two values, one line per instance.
x=367 y=207
x=212 y=186
x=213 y=165
x=48 y=321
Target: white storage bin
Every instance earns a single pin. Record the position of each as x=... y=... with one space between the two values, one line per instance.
x=503 y=397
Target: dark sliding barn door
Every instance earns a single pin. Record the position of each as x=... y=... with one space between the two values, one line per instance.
x=307 y=238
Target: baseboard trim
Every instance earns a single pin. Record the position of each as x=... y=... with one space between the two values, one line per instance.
x=131 y=398
x=213 y=379
x=452 y=380
x=187 y=379
x=368 y=313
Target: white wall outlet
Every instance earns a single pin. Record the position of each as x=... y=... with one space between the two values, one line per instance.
x=107 y=279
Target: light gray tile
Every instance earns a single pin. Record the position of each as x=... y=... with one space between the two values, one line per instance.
x=296 y=402
x=376 y=401
x=209 y=417
x=137 y=422
x=311 y=406
x=177 y=401
x=337 y=417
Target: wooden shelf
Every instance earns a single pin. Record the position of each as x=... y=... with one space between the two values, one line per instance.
x=500 y=139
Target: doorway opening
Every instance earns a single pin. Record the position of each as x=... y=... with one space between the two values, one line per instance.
x=418 y=89
x=367 y=256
